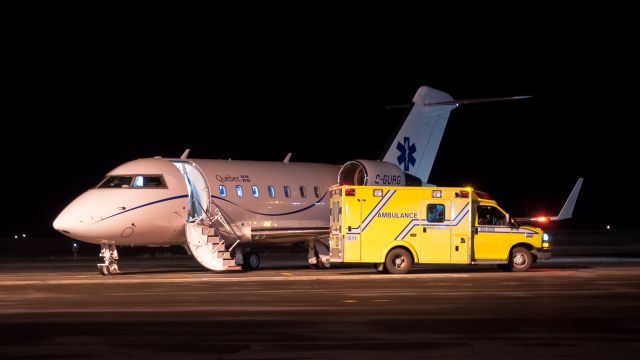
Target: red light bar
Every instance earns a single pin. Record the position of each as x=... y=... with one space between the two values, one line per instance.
x=464 y=194
x=350 y=192
x=483 y=195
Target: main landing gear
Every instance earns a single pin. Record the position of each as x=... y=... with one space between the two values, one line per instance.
x=110 y=255
x=318 y=254
x=251 y=261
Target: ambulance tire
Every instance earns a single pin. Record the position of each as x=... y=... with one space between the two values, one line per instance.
x=398 y=261
x=380 y=267
x=520 y=260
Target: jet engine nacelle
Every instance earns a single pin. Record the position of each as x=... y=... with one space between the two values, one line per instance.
x=372 y=172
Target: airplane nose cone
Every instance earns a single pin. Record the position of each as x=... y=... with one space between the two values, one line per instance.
x=60 y=225
x=63 y=224
x=72 y=221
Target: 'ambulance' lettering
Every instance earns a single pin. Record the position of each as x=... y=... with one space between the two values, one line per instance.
x=397 y=215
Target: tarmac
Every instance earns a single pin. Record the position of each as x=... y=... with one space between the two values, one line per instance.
x=569 y=307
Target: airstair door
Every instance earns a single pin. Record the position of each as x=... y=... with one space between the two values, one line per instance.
x=197 y=188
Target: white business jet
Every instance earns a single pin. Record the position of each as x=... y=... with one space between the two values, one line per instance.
x=220 y=209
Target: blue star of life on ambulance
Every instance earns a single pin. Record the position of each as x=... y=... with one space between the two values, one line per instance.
x=406 y=153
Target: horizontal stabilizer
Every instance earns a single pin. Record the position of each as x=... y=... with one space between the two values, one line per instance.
x=462 y=102
x=476 y=101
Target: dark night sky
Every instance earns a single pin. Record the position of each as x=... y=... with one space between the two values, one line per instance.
x=87 y=87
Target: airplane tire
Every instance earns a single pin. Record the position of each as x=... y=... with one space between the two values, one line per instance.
x=103 y=270
x=520 y=259
x=112 y=269
x=251 y=261
x=319 y=265
x=398 y=261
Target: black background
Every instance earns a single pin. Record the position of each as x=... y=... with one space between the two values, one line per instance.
x=87 y=87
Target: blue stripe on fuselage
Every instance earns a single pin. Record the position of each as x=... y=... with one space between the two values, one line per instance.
x=143 y=205
x=280 y=214
x=216 y=197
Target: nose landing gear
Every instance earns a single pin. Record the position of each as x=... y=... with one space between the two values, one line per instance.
x=110 y=255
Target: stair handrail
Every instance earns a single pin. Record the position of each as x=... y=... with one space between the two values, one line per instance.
x=220 y=217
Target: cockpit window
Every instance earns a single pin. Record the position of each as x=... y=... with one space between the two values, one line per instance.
x=133 y=181
x=148 y=181
x=116 y=182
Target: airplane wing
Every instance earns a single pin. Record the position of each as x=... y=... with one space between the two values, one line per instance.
x=567 y=208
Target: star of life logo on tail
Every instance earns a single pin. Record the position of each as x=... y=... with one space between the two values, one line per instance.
x=406 y=153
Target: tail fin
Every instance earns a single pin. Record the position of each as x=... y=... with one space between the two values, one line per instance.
x=415 y=147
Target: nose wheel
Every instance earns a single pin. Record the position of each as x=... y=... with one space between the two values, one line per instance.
x=110 y=255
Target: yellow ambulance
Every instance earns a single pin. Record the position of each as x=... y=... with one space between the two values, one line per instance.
x=394 y=227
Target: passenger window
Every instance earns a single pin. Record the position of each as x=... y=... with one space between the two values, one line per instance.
x=239 y=190
x=223 y=190
x=435 y=213
x=316 y=191
x=272 y=191
x=287 y=191
x=116 y=182
x=303 y=192
x=490 y=215
x=254 y=191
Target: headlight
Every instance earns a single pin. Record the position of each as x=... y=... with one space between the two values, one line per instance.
x=545 y=237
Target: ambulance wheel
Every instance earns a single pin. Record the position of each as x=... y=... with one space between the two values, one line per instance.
x=520 y=260
x=251 y=261
x=380 y=268
x=398 y=261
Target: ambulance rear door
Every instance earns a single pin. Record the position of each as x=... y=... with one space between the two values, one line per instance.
x=336 y=237
x=354 y=209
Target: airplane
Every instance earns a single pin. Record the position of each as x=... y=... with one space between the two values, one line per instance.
x=220 y=209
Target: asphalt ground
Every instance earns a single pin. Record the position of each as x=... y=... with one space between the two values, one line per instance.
x=569 y=307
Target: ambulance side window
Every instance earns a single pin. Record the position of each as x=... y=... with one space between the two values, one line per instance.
x=489 y=215
x=435 y=213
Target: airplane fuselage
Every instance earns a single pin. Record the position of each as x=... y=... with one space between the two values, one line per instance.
x=267 y=202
